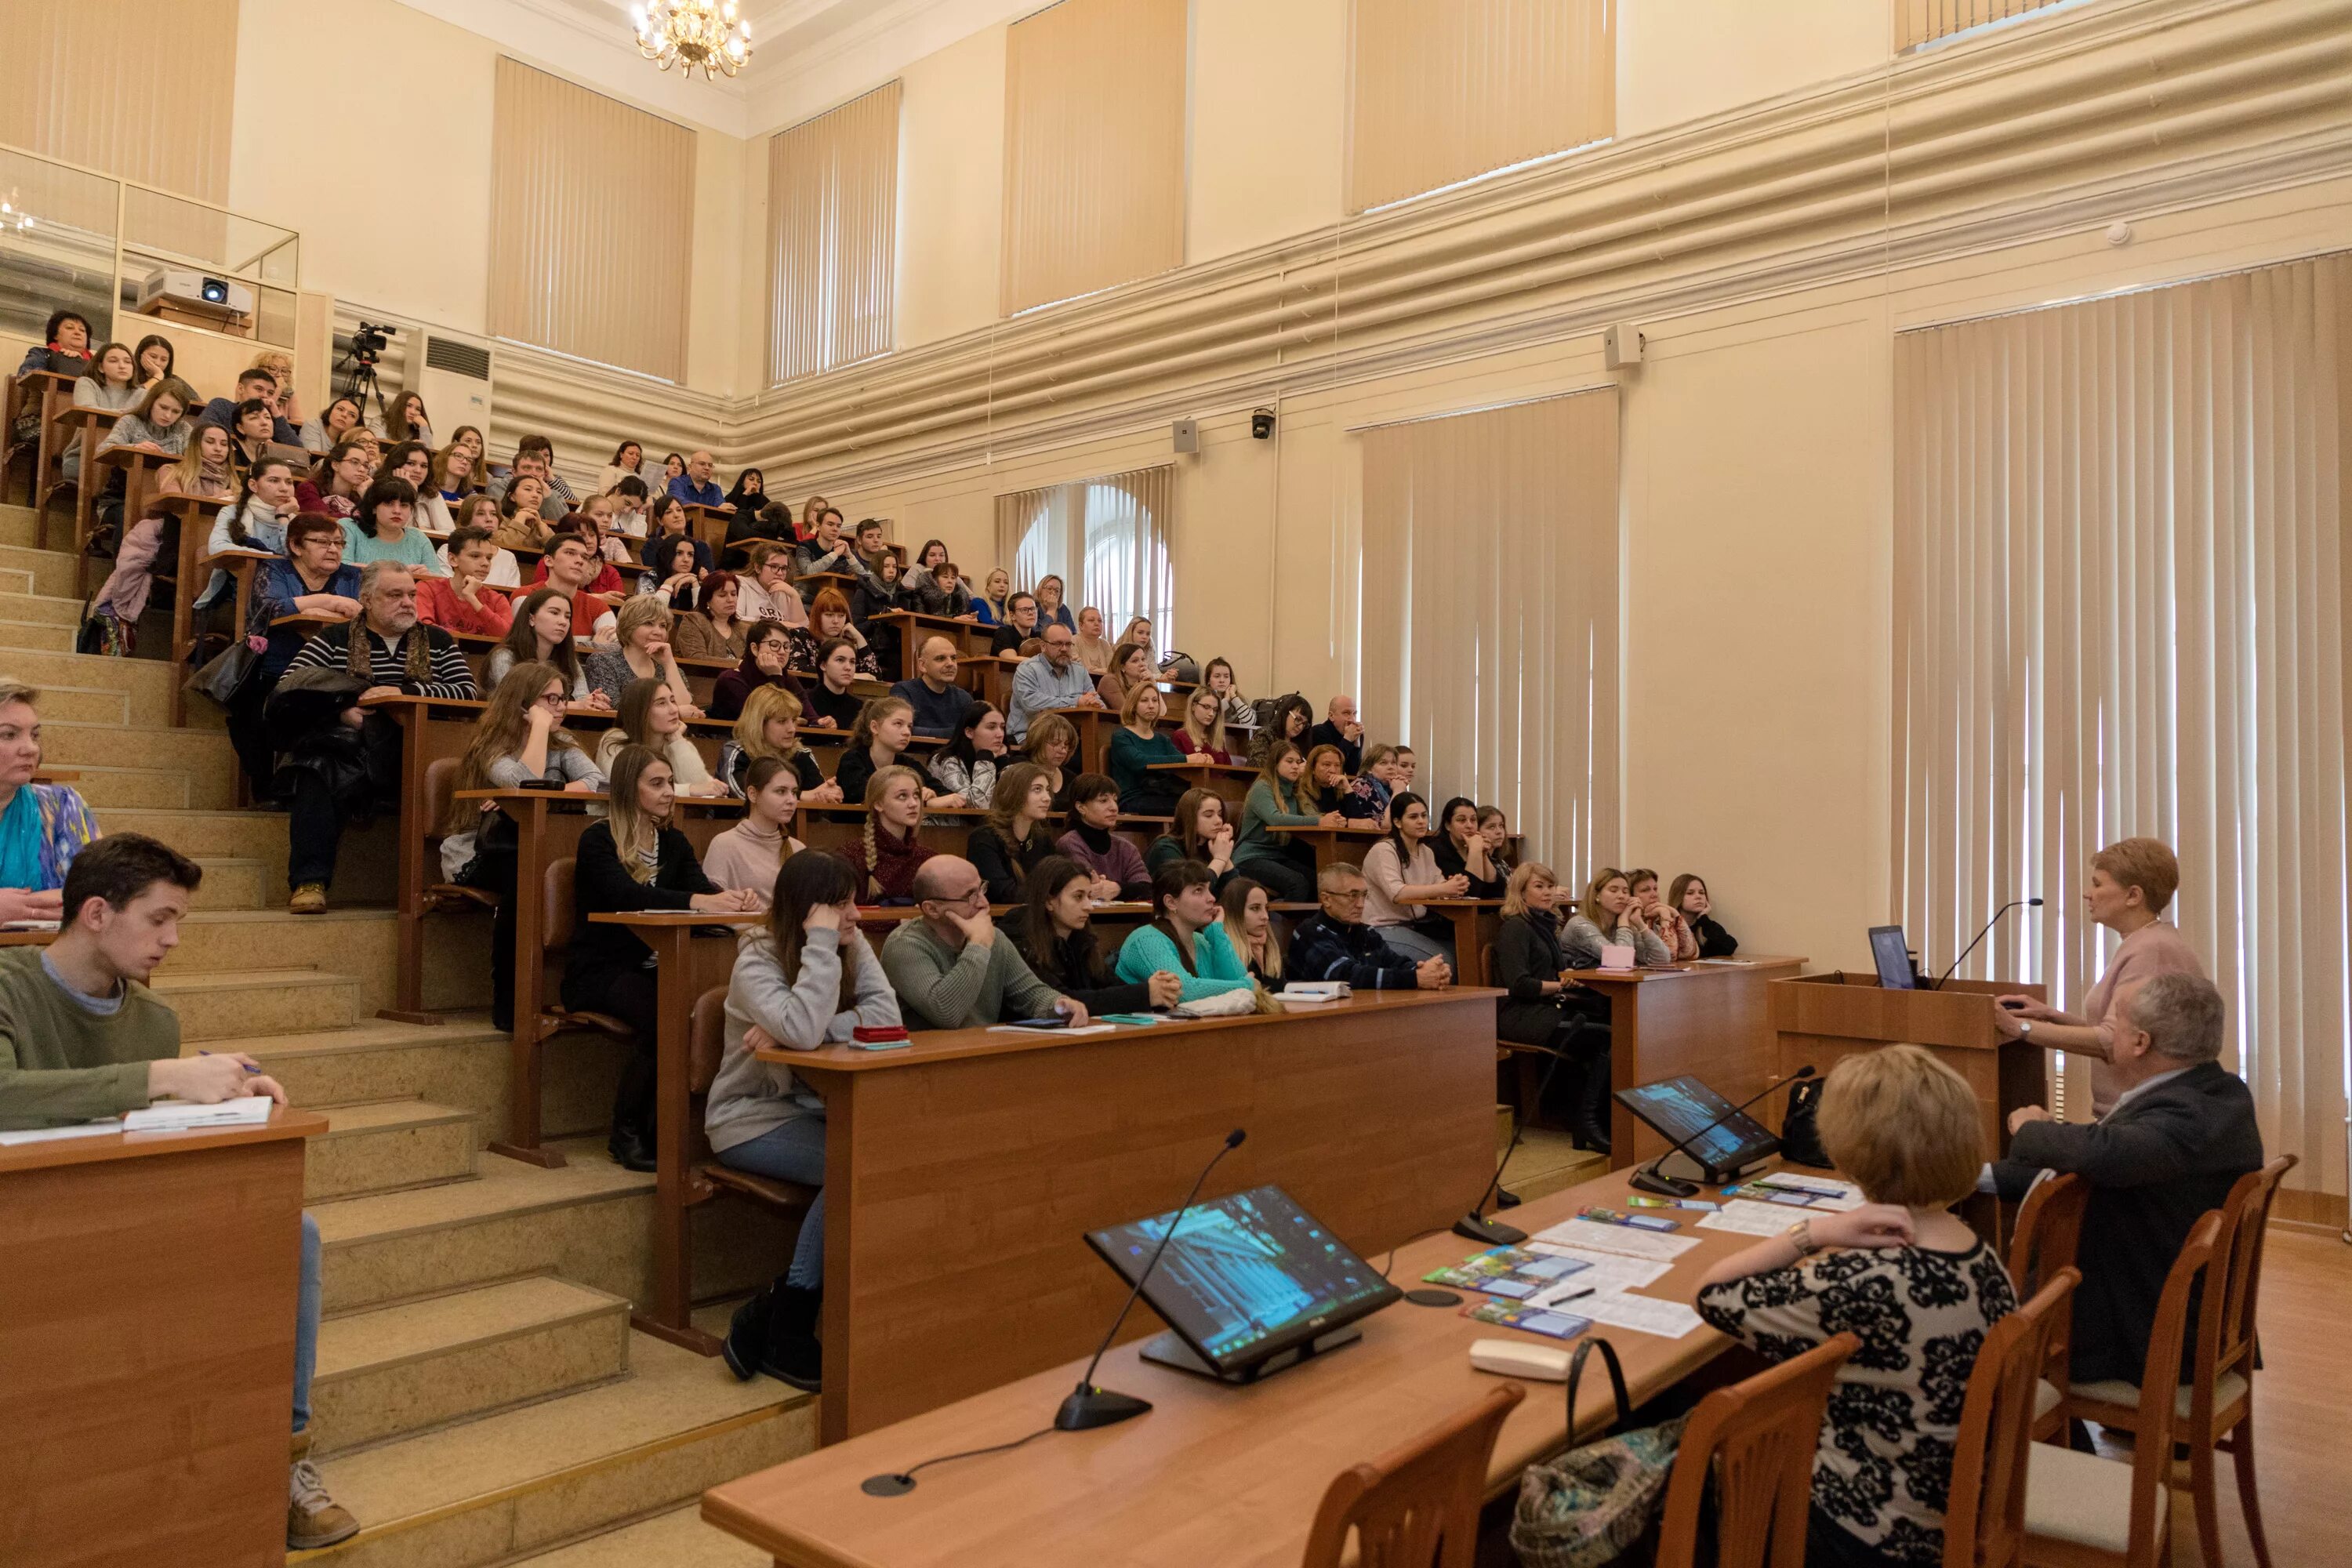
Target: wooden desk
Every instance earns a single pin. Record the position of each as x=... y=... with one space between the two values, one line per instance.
x=139 y=471
x=47 y=394
x=1713 y=1021
x=1475 y=924
x=708 y=523
x=1230 y=1477
x=964 y=1170
x=1095 y=726
x=82 y=428
x=1333 y=845
x=1821 y=1018
x=1229 y=782
x=915 y=628
x=147 y=1330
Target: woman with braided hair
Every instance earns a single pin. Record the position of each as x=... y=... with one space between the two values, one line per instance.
x=886 y=854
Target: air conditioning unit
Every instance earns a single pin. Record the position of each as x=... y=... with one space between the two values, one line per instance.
x=175 y=292
x=453 y=376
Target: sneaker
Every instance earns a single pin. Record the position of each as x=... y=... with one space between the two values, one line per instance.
x=312 y=1518
x=309 y=899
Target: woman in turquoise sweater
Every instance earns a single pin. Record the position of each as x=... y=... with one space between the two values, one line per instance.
x=1135 y=745
x=1187 y=938
x=1275 y=800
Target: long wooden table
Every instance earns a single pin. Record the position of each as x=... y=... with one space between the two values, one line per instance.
x=1213 y=1475
x=1711 y=1020
x=964 y=1170
x=147 y=1344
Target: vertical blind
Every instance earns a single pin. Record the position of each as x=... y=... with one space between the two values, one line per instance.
x=1444 y=89
x=592 y=224
x=1094 y=148
x=2120 y=586
x=1105 y=537
x=139 y=92
x=1488 y=631
x=1923 y=21
x=833 y=222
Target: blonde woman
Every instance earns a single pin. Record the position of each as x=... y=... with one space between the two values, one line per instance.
x=1203 y=734
x=1135 y=747
x=1544 y=1010
x=770 y=726
x=885 y=729
x=1604 y=918
x=1093 y=649
x=634 y=859
x=886 y=854
x=649 y=717
x=1249 y=926
x=994 y=605
x=643 y=626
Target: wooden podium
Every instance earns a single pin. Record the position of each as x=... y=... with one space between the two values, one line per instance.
x=1820 y=1018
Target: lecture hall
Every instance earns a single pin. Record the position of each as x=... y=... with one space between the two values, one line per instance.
x=928 y=783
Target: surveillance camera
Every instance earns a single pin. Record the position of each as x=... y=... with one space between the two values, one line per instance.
x=1262 y=423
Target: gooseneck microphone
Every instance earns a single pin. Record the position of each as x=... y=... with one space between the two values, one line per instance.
x=1651 y=1178
x=1475 y=1226
x=2012 y=904
x=1090 y=1406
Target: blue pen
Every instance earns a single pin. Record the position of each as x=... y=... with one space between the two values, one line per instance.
x=247 y=1065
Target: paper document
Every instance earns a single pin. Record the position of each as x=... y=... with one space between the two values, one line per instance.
x=178 y=1116
x=1623 y=1240
x=1668 y=1320
x=1751 y=1218
x=50 y=1135
x=1603 y=1271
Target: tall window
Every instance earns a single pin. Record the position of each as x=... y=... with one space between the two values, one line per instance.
x=1923 y=21
x=2120 y=586
x=1446 y=89
x=592 y=224
x=1488 y=635
x=1106 y=539
x=833 y=220
x=1094 y=148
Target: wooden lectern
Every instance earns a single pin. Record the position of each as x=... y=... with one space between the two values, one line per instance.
x=1820 y=1018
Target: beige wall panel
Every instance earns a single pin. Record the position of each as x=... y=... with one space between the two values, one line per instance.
x=951 y=190
x=1689 y=59
x=718 y=336
x=1269 y=112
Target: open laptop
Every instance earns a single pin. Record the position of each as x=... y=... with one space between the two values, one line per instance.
x=1892 y=954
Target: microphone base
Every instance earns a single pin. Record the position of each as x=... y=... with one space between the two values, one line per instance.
x=1648 y=1180
x=1430 y=1296
x=1494 y=1233
x=1089 y=1407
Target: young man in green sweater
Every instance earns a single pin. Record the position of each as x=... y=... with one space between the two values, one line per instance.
x=82 y=1038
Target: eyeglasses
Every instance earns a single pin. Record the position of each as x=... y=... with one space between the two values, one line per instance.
x=1347 y=896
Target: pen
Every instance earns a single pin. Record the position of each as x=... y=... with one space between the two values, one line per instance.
x=248 y=1065
x=1571 y=1296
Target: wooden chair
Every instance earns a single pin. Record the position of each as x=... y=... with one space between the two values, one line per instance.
x=440 y=898
x=2215 y=1409
x=558 y=920
x=2049 y=1232
x=706 y=1044
x=1416 y=1505
x=2085 y=1511
x=1526 y=1072
x=1755 y=1441
x=1984 y=1517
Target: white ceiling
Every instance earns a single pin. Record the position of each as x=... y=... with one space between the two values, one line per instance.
x=806 y=55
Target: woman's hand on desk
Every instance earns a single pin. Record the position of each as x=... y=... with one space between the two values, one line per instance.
x=2027 y=1007
x=729 y=902
x=32 y=904
x=1165 y=987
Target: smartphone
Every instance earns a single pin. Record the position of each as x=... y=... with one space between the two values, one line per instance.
x=1051 y=1021
x=2015 y=1004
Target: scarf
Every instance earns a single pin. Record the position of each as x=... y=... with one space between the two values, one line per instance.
x=21 y=836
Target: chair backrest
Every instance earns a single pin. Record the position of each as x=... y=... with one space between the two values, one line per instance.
x=2048 y=1234
x=706 y=1039
x=1755 y=1441
x=1984 y=1515
x=1486 y=961
x=2225 y=1317
x=440 y=784
x=1416 y=1505
x=557 y=917
x=2159 y=1385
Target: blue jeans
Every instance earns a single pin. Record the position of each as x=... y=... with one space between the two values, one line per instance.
x=793 y=1151
x=306 y=1324
x=1413 y=945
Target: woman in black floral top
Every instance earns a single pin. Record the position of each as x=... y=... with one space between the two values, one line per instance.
x=1919 y=1289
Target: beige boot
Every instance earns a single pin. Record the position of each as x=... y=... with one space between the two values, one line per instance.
x=312 y=1518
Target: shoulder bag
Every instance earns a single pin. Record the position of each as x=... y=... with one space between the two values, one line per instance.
x=1597 y=1506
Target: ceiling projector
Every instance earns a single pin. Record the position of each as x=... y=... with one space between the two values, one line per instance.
x=189 y=290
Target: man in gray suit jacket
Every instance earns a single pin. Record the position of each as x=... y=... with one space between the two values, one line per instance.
x=2180 y=1135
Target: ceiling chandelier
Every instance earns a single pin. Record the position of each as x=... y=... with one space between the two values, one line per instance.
x=706 y=34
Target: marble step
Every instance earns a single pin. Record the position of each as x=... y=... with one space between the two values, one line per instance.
x=84 y=705
x=108 y=788
x=677 y=1538
x=72 y=744
x=215 y=1008
x=391 y=1371
x=234 y=884
x=491 y=1490
x=146 y=682
x=385 y=1145
x=52 y=571
x=43 y=609
x=40 y=636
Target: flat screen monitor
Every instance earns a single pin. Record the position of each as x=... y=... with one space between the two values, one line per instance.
x=1893 y=956
x=1679 y=1107
x=1247 y=1277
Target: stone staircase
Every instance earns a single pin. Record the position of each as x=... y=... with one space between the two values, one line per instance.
x=480 y=1397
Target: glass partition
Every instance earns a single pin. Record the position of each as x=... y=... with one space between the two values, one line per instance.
x=57 y=242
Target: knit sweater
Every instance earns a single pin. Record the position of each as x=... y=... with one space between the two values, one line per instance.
x=892 y=869
x=59 y=1062
x=750 y=1096
x=942 y=987
x=1215 y=968
x=1260 y=811
x=748 y=856
x=1128 y=760
x=1106 y=854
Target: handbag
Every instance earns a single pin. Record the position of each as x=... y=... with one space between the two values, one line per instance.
x=1801 y=1135
x=1597 y=1506
x=228 y=672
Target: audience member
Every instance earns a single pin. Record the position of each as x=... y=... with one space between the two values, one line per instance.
x=744 y=497
x=1330 y=790
x=1014 y=842
x=1054 y=933
x=697 y=488
x=331 y=427
x=768 y=594
x=349 y=469
x=111 y=383
x=1131 y=668
x=1136 y=746
x=1689 y=896
x=1402 y=871
x=1053 y=610
x=667 y=519
x=1185 y=937
x=312 y=581
x=643 y=627
x=879 y=738
x=540 y=633
x=1018 y=628
x=1605 y=919
x=942 y=592
x=870 y=602
x=965 y=769
x=521 y=740
x=598 y=575
x=807 y=981
x=569 y=566
x=1544 y=1010
x=948 y=967
x=203 y=472
x=1052 y=678
x=673 y=466
x=1249 y=926
x=1092 y=842
x=407 y=420
x=886 y=853
x=830 y=621
x=1289 y=721
x=159 y=423
x=1094 y=649
x=1052 y=744
x=155 y=358
x=1203 y=736
x=249 y=442
x=628 y=462
x=42 y=826
x=1658 y=917
x=823 y=553
x=1277 y=800
x=711 y=629
x=649 y=716
x=940 y=704
x=1201 y=834
x=379 y=530
x=522 y=524
x=413 y=461
x=255 y=385
x=1915 y=1285
x=2181 y=1133
x=1496 y=829
x=634 y=858
x=1336 y=944
x=832 y=705
x=1340 y=729
x=672 y=574
x=463 y=601
x=81 y=1037
x=1239 y=714
x=64 y=348
x=479 y=511
x=748 y=855
x=768 y=727
x=990 y=607
x=1462 y=850
x=866 y=560
x=2132 y=882
x=451 y=477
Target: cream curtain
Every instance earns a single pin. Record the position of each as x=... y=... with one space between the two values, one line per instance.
x=592 y=224
x=1490 y=629
x=1921 y=21
x=2120 y=586
x=1094 y=148
x=1105 y=537
x=833 y=220
x=139 y=90
x=1443 y=90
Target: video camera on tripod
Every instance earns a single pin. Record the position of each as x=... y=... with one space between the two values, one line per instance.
x=366 y=345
